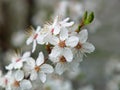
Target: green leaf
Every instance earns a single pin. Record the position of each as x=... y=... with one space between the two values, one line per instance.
x=91 y=17
x=85 y=15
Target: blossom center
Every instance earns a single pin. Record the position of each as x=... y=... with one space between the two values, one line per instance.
x=37 y=68
x=18 y=60
x=52 y=30
x=6 y=81
x=62 y=59
x=16 y=84
x=78 y=46
x=35 y=36
x=62 y=44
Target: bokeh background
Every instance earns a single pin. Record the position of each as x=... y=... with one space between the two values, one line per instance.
x=99 y=70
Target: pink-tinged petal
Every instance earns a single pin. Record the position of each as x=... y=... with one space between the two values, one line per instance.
x=83 y=35
x=26 y=54
x=40 y=59
x=34 y=46
x=60 y=68
x=10 y=66
x=38 y=29
x=29 y=40
x=72 y=41
x=88 y=47
x=33 y=75
x=19 y=75
x=63 y=34
x=46 y=68
x=42 y=77
x=25 y=84
x=67 y=53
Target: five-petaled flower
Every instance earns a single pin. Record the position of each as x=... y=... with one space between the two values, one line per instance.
x=39 y=69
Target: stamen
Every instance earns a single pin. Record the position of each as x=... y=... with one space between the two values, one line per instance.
x=6 y=81
x=62 y=59
x=18 y=60
x=62 y=44
x=35 y=36
x=37 y=68
x=16 y=83
x=52 y=30
x=79 y=46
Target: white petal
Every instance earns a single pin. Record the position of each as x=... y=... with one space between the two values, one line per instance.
x=38 y=29
x=63 y=34
x=31 y=63
x=56 y=30
x=59 y=68
x=55 y=21
x=72 y=41
x=10 y=66
x=29 y=40
x=88 y=47
x=34 y=45
x=26 y=54
x=83 y=35
x=40 y=59
x=18 y=65
x=25 y=84
x=19 y=75
x=66 y=19
x=27 y=70
x=56 y=51
x=33 y=75
x=42 y=77
x=67 y=53
x=53 y=40
x=46 y=68
x=40 y=39
x=68 y=24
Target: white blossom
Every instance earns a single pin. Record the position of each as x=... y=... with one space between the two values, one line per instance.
x=17 y=61
x=63 y=44
x=33 y=37
x=39 y=69
x=5 y=81
x=83 y=46
x=19 y=83
x=57 y=25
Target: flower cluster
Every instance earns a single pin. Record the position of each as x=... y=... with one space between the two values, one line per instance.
x=66 y=48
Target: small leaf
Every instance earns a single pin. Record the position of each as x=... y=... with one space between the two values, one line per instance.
x=85 y=15
x=89 y=19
